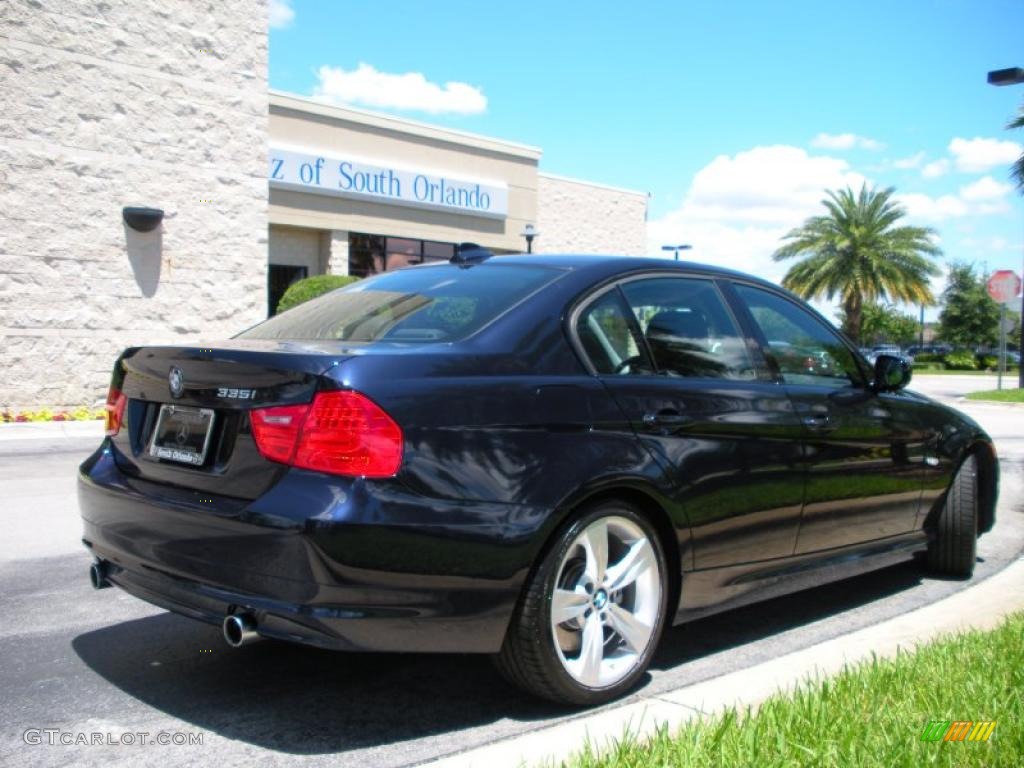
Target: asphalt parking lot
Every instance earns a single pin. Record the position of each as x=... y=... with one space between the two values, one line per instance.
x=81 y=661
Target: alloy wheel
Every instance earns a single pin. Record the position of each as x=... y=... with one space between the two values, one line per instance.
x=606 y=601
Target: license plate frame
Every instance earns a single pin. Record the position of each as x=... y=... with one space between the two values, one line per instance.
x=174 y=438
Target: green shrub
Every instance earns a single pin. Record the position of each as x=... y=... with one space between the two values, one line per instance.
x=928 y=357
x=961 y=361
x=311 y=287
x=988 y=362
x=928 y=366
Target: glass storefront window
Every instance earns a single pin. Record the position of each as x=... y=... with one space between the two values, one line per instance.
x=373 y=254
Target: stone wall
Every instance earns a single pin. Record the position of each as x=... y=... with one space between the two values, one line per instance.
x=159 y=103
x=581 y=217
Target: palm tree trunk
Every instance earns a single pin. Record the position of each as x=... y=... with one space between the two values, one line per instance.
x=853 y=316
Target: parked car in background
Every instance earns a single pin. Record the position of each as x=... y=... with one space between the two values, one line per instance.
x=549 y=459
x=886 y=349
x=929 y=349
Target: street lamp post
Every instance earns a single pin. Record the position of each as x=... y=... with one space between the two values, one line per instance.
x=1011 y=76
x=676 y=248
x=529 y=232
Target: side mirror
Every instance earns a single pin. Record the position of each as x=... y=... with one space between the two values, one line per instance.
x=891 y=373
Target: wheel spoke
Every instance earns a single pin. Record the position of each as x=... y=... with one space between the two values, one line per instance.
x=637 y=560
x=595 y=544
x=588 y=664
x=632 y=631
x=567 y=605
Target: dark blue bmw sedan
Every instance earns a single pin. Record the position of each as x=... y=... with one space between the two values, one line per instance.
x=545 y=458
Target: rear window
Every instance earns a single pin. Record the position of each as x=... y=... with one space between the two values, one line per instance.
x=422 y=304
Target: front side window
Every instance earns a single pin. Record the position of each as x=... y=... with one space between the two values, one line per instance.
x=688 y=328
x=804 y=349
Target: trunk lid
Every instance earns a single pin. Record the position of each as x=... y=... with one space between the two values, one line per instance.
x=204 y=441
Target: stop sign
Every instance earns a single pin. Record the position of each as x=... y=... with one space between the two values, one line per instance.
x=1004 y=286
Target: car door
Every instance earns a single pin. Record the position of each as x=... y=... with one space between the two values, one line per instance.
x=864 y=451
x=694 y=390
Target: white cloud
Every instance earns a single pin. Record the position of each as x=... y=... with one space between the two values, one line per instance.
x=739 y=207
x=777 y=184
x=932 y=209
x=281 y=14
x=935 y=169
x=909 y=162
x=982 y=198
x=410 y=91
x=845 y=141
x=985 y=188
x=978 y=155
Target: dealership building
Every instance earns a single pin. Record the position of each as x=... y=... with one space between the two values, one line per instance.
x=353 y=192
x=165 y=106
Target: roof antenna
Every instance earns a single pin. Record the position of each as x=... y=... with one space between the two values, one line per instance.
x=470 y=253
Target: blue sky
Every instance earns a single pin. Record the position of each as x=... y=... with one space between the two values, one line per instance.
x=735 y=117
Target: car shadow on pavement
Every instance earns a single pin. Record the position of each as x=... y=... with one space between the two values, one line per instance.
x=303 y=700
x=298 y=699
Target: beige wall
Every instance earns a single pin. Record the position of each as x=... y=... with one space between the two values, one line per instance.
x=298 y=247
x=575 y=216
x=158 y=103
x=301 y=122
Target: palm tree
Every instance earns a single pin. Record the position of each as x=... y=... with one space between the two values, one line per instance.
x=859 y=253
x=1017 y=171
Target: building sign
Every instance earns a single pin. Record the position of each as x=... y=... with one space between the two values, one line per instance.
x=385 y=183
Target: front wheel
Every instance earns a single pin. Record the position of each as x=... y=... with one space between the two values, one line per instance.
x=591 y=615
x=954 y=549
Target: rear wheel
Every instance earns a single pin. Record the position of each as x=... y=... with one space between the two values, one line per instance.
x=591 y=615
x=954 y=549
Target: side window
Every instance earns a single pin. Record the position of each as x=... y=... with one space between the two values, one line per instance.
x=604 y=332
x=805 y=350
x=688 y=329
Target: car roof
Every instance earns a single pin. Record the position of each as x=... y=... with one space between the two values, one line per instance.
x=610 y=265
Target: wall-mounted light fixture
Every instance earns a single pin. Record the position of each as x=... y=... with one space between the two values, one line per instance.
x=142 y=219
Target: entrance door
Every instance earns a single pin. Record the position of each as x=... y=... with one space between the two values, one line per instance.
x=279 y=277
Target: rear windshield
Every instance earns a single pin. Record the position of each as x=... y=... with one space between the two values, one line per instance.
x=421 y=304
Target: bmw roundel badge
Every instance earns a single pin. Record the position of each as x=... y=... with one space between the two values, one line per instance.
x=176 y=381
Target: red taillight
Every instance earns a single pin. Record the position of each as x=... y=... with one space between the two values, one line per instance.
x=116 y=401
x=276 y=430
x=343 y=433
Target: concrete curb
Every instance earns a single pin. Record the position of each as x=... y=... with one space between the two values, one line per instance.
x=982 y=606
x=51 y=430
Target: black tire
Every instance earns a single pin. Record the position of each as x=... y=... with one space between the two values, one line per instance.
x=529 y=659
x=953 y=551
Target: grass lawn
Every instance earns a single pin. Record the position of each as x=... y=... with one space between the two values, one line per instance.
x=999 y=395
x=872 y=714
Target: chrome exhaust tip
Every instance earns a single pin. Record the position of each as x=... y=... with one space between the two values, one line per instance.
x=98 y=575
x=240 y=629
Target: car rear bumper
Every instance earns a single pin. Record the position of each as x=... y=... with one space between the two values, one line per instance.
x=333 y=562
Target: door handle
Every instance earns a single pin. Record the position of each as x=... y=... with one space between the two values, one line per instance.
x=819 y=423
x=666 y=417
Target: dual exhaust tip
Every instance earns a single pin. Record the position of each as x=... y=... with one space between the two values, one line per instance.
x=239 y=628
x=98 y=575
